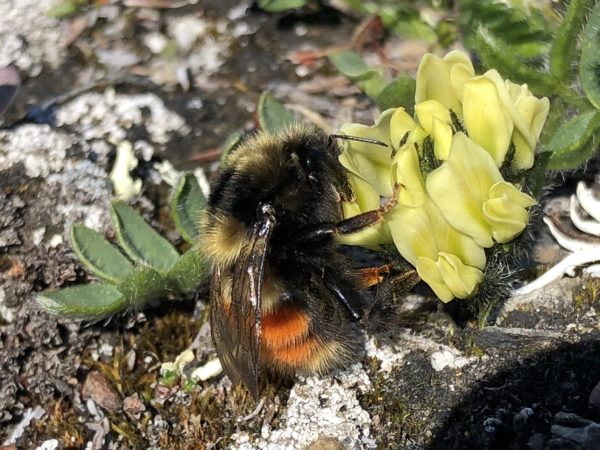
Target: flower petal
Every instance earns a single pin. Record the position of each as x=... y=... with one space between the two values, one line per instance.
x=366 y=199
x=506 y=219
x=400 y=124
x=433 y=82
x=411 y=230
x=423 y=231
x=511 y=95
x=449 y=240
x=533 y=112
x=487 y=122
x=505 y=211
x=442 y=138
x=459 y=75
x=461 y=185
x=430 y=274
x=369 y=161
x=407 y=173
x=503 y=188
x=428 y=110
x=462 y=280
x=449 y=277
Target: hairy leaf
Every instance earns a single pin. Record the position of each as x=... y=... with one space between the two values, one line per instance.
x=140 y=241
x=280 y=5
x=350 y=63
x=88 y=301
x=494 y=53
x=231 y=142
x=564 y=47
x=527 y=32
x=186 y=206
x=142 y=285
x=589 y=68
x=400 y=92
x=573 y=142
x=189 y=271
x=406 y=22
x=98 y=255
x=272 y=115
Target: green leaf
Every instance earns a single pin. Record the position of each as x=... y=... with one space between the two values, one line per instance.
x=495 y=53
x=187 y=204
x=527 y=31
x=98 y=255
x=139 y=241
x=350 y=64
x=231 y=142
x=589 y=68
x=142 y=285
x=280 y=5
x=64 y=9
x=536 y=179
x=272 y=115
x=400 y=92
x=407 y=22
x=189 y=271
x=564 y=47
x=572 y=143
x=88 y=301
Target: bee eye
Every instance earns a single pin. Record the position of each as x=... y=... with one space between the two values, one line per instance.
x=314 y=159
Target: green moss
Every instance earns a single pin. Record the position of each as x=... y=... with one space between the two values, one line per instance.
x=587 y=297
x=61 y=423
x=385 y=402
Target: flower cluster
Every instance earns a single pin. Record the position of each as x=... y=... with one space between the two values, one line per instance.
x=452 y=199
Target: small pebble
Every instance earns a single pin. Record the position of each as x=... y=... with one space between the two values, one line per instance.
x=325 y=443
x=101 y=391
x=594 y=399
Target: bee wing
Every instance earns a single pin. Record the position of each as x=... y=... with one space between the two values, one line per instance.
x=236 y=326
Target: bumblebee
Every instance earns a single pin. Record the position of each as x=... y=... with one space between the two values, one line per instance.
x=282 y=294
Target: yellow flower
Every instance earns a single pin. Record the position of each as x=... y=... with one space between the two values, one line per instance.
x=372 y=162
x=443 y=221
x=407 y=174
x=528 y=116
x=436 y=121
x=469 y=191
x=495 y=112
x=425 y=239
x=369 y=161
x=366 y=199
x=449 y=277
x=369 y=174
x=447 y=260
x=487 y=121
x=443 y=79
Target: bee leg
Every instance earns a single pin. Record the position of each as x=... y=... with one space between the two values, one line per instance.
x=351 y=225
x=345 y=296
x=384 y=312
x=369 y=218
x=371 y=276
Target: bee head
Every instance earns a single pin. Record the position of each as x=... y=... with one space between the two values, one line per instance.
x=310 y=158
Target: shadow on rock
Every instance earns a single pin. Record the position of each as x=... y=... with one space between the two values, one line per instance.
x=544 y=402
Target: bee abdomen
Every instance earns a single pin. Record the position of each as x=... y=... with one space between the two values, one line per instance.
x=289 y=345
x=284 y=327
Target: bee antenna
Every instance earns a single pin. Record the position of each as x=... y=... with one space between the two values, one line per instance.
x=358 y=139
